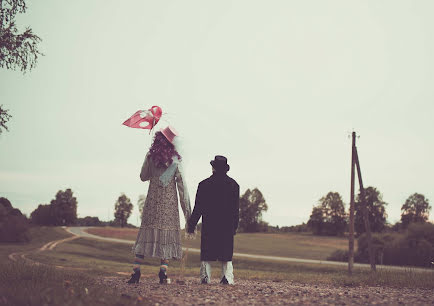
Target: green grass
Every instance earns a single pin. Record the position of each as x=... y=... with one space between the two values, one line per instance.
x=42 y=285
x=108 y=258
x=38 y=235
x=297 y=245
x=23 y=284
x=85 y=260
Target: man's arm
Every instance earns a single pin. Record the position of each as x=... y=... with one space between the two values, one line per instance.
x=236 y=207
x=197 y=211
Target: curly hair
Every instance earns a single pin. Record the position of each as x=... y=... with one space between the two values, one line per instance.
x=162 y=151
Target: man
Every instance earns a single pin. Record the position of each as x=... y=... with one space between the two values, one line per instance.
x=217 y=202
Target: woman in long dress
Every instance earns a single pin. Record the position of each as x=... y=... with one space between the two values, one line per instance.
x=160 y=233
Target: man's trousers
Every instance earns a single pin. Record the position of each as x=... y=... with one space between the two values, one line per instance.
x=227 y=271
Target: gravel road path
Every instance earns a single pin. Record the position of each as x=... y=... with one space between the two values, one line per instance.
x=246 y=292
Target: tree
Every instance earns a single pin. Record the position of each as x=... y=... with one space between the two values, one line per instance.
x=415 y=209
x=316 y=220
x=141 y=203
x=61 y=211
x=252 y=204
x=43 y=215
x=328 y=218
x=14 y=225
x=376 y=211
x=4 y=118
x=123 y=208
x=16 y=50
x=89 y=221
x=65 y=208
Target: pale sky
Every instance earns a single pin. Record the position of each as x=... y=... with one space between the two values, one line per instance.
x=276 y=86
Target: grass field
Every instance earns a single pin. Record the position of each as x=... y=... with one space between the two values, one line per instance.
x=23 y=284
x=39 y=236
x=297 y=245
x=106 y=258
x=85 y=260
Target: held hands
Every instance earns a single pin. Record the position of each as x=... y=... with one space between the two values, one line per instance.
x=190 y=236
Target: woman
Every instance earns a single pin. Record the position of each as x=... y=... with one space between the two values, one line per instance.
x=159 y=234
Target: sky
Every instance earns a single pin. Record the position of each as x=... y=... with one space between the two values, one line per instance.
x=275 y=86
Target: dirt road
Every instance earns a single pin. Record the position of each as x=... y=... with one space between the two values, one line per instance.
x=81 y=231
x=247 y=292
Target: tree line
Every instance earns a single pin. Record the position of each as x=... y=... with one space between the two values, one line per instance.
x=330 y=218
x=252 y=205
x=327 y=218
x=409 y=241
x=62 y=211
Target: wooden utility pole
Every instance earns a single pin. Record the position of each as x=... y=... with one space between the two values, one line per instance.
x=351 y=234
x=355 y=162
x=365 y=214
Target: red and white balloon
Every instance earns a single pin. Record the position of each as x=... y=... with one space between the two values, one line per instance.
x=144 y=119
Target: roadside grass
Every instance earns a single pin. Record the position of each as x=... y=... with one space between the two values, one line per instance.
x=106 y=258
x=41 y=285
x=297 y=245
x=26 y=284
x=39 y=235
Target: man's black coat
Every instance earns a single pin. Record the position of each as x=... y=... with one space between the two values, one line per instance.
x=217 y=202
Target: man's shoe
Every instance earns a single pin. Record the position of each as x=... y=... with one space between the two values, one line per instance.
x=224 y=281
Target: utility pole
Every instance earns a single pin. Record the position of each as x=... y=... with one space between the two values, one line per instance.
x=351 y=234
x=365 y=215
x=355 y=163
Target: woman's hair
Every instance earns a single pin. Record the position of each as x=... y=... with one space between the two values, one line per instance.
x=162 y=151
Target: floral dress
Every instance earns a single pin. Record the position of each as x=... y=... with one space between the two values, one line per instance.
x=160 y=233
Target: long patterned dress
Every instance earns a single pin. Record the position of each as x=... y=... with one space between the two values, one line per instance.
x=160 y=233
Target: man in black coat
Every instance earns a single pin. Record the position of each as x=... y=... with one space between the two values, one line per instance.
x=217 y=202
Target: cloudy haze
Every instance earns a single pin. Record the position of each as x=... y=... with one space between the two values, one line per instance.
x=276 y=86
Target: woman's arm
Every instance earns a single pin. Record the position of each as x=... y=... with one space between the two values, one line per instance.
x=146 y=174
x=184 y=197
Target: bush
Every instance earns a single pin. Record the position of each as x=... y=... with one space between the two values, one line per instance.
x=378 y=244
x=413 y=248
x=43 y=215
x=89 y=221
x=339 y=255
x=14 y=225
x=300 y=228
x=421 y=231
x=14 y=229
x=116 y=223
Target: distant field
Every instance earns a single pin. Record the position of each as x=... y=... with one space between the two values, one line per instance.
x=107 y=258
x=297 y=245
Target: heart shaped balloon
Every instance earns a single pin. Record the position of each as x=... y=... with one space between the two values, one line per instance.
x=144 y=119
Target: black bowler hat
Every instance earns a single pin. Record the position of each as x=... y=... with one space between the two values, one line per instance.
x=220 y=163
